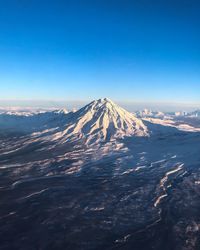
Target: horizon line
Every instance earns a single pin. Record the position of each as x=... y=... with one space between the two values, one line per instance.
x=113 y=99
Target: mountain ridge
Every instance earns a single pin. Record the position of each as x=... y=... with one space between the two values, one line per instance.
x=103 y=120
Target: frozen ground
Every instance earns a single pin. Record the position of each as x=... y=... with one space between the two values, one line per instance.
x=130 y=192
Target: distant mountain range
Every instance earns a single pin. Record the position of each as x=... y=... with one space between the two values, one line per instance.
x=100 y=121
x=124 y=176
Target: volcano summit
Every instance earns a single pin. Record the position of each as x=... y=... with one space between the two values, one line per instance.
x=103 y=120
x=99 y=171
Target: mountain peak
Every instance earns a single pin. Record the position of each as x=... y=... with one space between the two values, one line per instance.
x=103 y=120
x=103 y=104
x=104 y=100
x=61 y=111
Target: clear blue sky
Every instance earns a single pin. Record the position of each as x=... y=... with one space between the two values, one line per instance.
x=137 y=50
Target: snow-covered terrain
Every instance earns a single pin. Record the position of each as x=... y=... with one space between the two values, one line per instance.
x=128 y=181
x=103 y=120
x=181 y=125
x=195 y=113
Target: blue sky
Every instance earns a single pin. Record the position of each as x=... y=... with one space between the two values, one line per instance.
x=139 y=50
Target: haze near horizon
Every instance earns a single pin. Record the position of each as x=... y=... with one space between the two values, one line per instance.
x=129 y=51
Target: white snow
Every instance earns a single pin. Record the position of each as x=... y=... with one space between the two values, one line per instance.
x=172 y=123
x=103 y=120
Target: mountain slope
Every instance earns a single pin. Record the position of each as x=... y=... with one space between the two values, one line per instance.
x=32 y=122
x=103 y=120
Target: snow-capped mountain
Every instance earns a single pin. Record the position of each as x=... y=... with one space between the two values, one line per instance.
x=100 y=121
x=61 y=111
x=148 y=113
x=132 y=162
x=195 y=113
x=103 y=120
x=32 y=122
